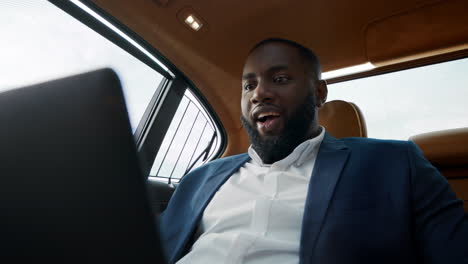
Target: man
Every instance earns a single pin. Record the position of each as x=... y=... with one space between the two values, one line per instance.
x=301 y=196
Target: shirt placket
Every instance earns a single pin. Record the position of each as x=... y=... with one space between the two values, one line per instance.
x=263 y=204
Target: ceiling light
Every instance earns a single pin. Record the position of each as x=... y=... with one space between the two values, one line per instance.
x=195 y=26
x=189 y=20
x=192 y=21
x=348 y=70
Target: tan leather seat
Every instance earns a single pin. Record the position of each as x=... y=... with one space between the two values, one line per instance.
x=342 y=119
x=447 y=150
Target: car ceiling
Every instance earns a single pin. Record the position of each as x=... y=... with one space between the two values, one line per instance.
x=343 y=33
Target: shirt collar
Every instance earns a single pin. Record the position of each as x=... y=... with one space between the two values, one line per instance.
x=300 y=154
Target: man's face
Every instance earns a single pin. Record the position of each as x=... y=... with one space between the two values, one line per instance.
x=274 y=84
x=278 y=98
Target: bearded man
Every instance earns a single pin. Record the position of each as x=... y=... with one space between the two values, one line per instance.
x=301 y=196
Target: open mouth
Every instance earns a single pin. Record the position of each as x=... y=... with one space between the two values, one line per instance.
x=265 y=117
x=269 y=122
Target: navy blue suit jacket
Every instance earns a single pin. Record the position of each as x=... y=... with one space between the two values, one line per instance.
x=368 y=201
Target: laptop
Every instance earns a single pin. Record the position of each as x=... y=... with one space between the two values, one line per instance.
x=71 y=189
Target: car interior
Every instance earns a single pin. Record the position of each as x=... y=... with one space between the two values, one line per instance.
x=391 y=35
x=200 y=47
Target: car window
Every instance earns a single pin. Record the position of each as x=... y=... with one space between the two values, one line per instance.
x=43 y=42
x=405 y=103
x=191 y=140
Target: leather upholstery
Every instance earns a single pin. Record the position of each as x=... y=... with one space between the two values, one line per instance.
x=448 y=151
x=342 y=119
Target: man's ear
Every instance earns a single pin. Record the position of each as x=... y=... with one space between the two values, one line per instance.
x=321 y=93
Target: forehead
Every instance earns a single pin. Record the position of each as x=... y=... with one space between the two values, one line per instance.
x=271 y=55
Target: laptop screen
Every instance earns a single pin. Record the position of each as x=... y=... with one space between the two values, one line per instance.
x=70 y=183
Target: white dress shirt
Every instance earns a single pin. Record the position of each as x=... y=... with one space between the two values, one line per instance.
x=256 y=216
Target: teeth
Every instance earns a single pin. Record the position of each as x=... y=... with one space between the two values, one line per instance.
x=262 y=115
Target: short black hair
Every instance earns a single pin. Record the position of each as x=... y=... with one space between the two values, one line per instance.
x=306 y=53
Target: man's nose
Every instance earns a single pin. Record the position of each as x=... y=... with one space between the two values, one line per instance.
x=262 y=94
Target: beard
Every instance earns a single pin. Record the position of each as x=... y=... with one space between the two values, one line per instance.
x=296 y=130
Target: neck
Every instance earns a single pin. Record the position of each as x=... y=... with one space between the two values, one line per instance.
x=314 y=131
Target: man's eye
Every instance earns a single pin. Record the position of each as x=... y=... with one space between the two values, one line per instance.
x=249 y=86
x=281 y=79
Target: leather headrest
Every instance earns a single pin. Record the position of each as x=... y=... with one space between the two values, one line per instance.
x=342 y=119
x=444 y=148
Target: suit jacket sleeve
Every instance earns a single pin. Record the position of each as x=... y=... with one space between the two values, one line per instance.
x=441 y=225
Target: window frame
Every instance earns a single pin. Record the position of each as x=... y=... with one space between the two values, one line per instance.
x=158 y=115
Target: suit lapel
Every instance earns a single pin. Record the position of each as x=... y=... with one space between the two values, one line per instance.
x=331 y=159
